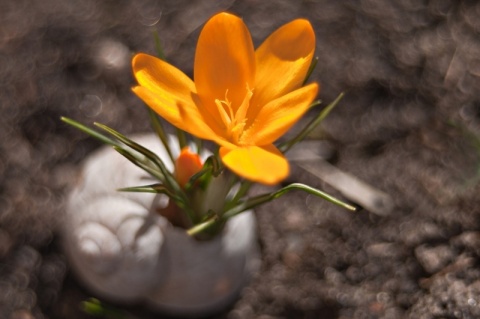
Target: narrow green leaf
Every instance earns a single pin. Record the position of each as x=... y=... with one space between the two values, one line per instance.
x=214 y=162
x=198 y=144
x=94 y=307
x=168 y=179
x=199 y=228
x=180 y=199
x=125 y=140
x=242 y=191
x=158 y=46
x=315 y=103
x=261 y=199
x=311 y=68
x=158 y=128
x=211 y=166
x=182 y=138
x=264 y=198
x=102 y=138
x=153 y=188
x=142 y=189
x=206 y=169
x=132 y=157
x=284 y=147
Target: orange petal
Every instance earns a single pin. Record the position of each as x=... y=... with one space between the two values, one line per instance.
x=224 y=61
x=282 y=61
x=275 y=118
x=157 y=75
x=187 y=164
x=265 y=164
x=169 y=92
x=181 y=114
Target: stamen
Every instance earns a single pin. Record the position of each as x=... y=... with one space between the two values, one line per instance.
x=234 y=122
x=242 y=110
x=223 y=114
x=237 y=131
x=229 y=105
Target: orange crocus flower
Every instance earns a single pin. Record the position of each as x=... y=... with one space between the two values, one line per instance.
x=242 y=99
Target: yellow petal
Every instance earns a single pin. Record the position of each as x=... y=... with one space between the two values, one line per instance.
x=171 y=94
x=265 y=164
x=157 y=75
x=180 y=113
x=282 y=61
x=275 y=118
x=224 y=61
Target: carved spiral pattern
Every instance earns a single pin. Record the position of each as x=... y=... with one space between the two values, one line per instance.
x=123 y=250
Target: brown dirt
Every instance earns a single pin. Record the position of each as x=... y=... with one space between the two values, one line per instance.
x=409 y=125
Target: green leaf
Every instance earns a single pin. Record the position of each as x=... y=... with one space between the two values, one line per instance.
x=102 y=138
x=168 y=179
x=96 y=308
x=211 y=166
x=158 y=128
x=140 y=162
x=213 y=162
x=242 y=191
x=202 y=227
x=158 y=46
x=284 y=147
x=264 y=198
x=198 y=144
x=180 y=199
x=153 y=188
x=312 y=67
x=143 y=158
x=182 y=138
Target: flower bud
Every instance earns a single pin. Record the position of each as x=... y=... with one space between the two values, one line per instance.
x=187 y=164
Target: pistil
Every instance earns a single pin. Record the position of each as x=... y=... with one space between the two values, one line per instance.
x=234 y=122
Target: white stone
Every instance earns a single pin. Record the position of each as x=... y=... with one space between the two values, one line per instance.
x=123 y=250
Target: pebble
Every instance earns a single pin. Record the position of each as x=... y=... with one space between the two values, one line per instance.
x=434 y=259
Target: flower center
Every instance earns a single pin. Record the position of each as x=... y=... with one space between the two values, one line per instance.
x=234 y=121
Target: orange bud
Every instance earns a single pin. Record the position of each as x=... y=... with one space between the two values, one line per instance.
x=187 y=165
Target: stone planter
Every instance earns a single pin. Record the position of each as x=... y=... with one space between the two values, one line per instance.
x=123 y=250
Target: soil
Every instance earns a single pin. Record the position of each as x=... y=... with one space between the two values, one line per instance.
x=409 y=126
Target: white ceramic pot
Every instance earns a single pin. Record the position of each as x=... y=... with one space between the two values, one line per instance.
x=122 y=249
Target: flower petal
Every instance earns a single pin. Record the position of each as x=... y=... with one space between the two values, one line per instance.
x=224 y=61
x=171 y=94
x=283 y=60
x=158 y=75
x=187 y=164
x=265 y=164
x=276 y=117
x=183 y=115
x=179 y=113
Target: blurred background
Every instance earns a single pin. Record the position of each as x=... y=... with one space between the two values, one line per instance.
x=409 y=125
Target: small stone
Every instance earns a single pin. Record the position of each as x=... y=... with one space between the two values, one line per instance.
x=434 y=259
x=414 y=233
x=22 y=314
x=295 y=220
x=384 y=250
x=469 y=240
